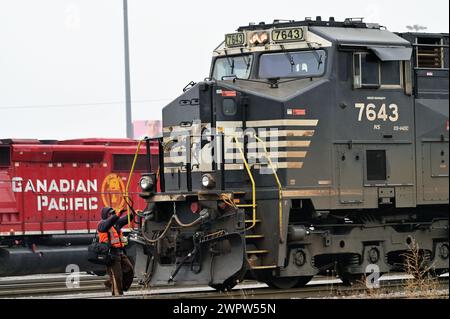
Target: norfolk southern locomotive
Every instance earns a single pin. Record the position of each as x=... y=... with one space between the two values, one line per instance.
x=313 y=146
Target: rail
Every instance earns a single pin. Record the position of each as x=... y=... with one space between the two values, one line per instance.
x=159 y=177
x=252 y=180
x=129 y=179
x=253 y=205
x=430 y=55
x=188 y=165
x=319 y=287
x=280 y=189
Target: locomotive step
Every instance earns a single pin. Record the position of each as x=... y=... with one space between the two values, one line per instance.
x=254 y=236
x=263 y=267
x=262 y=251
x=246 y=205
x=251 y=221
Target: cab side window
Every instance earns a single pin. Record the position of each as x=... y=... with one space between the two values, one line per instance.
x=391 y=74
x=124 y=162
x=5 y=156
x=371 y=73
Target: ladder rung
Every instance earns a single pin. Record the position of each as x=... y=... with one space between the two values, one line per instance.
x=251 y=220
x=262 y=251
x=254 y=236
x=435 y=55
x=264 y=267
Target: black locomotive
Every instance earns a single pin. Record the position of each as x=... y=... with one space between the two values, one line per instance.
x=314 y=145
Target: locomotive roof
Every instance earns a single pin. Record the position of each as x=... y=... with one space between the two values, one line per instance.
x=351 y=31
x=387 y=45
x=360 y=36
x=349 y=22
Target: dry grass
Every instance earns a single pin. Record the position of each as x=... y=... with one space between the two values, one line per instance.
x=422 y=283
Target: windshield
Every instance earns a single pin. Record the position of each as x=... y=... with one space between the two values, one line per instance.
x=292 y=64
x=233 y=65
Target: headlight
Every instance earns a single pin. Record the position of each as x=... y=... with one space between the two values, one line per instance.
x=146 y=183
x=259 y=38
x=208 y=181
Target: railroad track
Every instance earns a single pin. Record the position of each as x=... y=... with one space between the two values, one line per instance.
x=325 y=288
x=392 y=289
x=49 y=286
x=93 y=287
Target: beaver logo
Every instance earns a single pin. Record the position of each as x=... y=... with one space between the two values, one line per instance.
x=113 y=191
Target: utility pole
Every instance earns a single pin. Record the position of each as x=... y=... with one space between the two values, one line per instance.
x=129 y=125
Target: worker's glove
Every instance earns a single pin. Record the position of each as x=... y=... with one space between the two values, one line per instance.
x=119 y=213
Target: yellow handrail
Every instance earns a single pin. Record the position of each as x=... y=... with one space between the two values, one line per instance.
x=129 y=180
x=247 y=167
x=280 y=189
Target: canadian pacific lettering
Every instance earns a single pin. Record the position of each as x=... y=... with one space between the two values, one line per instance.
x=60 y=195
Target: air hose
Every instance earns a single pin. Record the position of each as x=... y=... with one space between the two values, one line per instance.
x=169 y=223
x=193 y=252
x=153 y=241
x=180 y=223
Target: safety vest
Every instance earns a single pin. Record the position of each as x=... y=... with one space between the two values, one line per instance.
x=117 y=239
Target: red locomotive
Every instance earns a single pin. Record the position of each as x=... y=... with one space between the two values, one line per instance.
x=51 y=193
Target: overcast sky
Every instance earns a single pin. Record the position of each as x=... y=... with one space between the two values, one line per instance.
x=61 y=61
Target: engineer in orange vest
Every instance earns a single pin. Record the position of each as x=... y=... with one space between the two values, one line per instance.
x=109 y=230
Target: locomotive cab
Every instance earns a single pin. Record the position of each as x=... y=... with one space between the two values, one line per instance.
x=301 y=153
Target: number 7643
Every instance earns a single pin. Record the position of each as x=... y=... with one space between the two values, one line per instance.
x=372 y=113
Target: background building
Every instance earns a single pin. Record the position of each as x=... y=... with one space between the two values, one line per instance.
x=150 y=128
